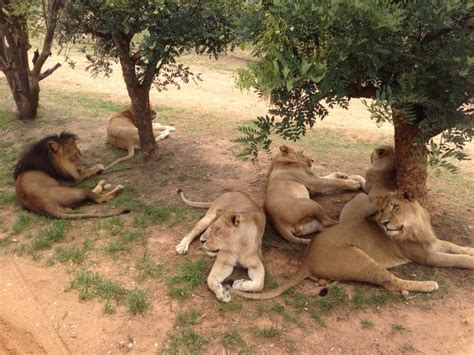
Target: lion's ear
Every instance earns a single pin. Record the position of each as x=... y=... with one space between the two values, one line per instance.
x=407 y=195
x=54 y=146
x=235 y=219
x=381 y=152
x=284 y=149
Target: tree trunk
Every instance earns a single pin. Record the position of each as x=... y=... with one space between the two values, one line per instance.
x=140 y=97
x=25 y=93
x=412 y=156
x=141 y=110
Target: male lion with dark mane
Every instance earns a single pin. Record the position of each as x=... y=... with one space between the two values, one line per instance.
x=122 y=132
x=45 y=170
x=363 y=250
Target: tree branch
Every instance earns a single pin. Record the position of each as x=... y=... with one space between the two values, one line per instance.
x=48 y=72
x=432 y=36
x=358 y=91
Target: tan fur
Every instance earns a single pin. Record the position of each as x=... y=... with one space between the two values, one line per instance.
x=232 y=230
x=362 y=250
x=39 y=192
x=291 y=179
x=380 y=180
x=122 y=132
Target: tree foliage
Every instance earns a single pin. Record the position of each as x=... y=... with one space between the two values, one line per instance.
x=147 y=38
x=411 y=57
x=19 y=22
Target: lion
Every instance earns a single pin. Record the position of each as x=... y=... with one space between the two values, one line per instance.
x=380 y=180
x=122 y=132
x=45 y=170
x=232 y=230
x=291 y=179
x=363 y=250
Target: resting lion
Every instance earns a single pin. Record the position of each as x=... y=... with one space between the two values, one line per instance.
x=380 y=180
x=44 y=171
x=287 y=200
x=232 y=229
x=362 y=250
x=122 y=133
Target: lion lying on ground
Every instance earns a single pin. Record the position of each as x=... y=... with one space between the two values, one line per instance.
x=122 y=132
x=232 y=230
x=362 y=250
x=380 y=180
x=291 y=179
x=44 y=171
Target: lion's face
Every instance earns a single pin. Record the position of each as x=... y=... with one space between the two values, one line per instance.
x=383 y=155
x=287 y=153
x=223 y=234
x=67 y=156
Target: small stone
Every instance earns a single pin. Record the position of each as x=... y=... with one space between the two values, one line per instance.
x=107 y=186
x=405 y=293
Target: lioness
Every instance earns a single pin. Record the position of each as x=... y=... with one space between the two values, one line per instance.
x=232 y=230
x=122 y=132
x=46 y=167
x=362 y=250
x=287 y=200
x=380 y=180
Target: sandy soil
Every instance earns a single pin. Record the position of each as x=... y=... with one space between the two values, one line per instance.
x=37 y=316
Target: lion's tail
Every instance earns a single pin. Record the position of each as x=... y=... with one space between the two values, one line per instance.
x=63 y=215
x=193 y=203
x=299 y=276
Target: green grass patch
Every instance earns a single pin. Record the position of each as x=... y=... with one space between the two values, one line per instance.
x=137 y=302
x=374 y=297
x=184 y=319
x=149 y=269
x=190 y=275
x=233 y=340
x=229 y=307
x=280 y=309
x=54 y=233
x=398 y=328
x=7 y=198
x=71 y=254
x=116 y=246
x=185 y=341
x=94 y=286
x=23 y=222
x=267 y=332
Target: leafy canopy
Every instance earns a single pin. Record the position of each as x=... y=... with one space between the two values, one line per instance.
x=153 y=33
x=412 y=56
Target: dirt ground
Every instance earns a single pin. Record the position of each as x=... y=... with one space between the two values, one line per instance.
x=37 y=316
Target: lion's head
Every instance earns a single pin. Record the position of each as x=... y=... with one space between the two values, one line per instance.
x=290 y=156
x=231 y=232
x=383 y=158
x=57 y=155
x=402 y=218
x=128 y=112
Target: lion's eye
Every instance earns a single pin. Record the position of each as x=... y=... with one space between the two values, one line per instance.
x=395 y=207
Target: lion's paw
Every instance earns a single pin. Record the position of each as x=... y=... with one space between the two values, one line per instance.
x=433 y=286
x=240 y=285
x=358 y=178
x=339 y=175
x=181 y=249
x=224 y=296
x=99 y=167
x=119 y=187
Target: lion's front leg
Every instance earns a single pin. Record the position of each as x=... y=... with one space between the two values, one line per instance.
x=87 y=173
x=327 y=185
x=448 y=247
x=220 y=271
x=257 y=279
x=450 y=260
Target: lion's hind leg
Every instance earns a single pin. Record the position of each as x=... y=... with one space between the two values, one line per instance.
x=353 y=264
x=257 y=279
x=209 y=218
x=109 y=195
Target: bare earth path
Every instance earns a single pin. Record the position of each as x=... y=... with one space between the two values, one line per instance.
x=37 y=315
